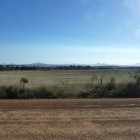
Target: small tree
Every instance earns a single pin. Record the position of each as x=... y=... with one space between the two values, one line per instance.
x=98 y=78
x=112 y=84
x=23 y=81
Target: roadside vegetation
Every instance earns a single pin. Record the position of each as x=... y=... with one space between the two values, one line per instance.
x=96 y=88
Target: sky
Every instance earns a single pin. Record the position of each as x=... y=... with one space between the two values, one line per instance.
x=70 y=31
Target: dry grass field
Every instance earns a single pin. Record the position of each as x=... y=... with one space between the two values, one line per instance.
x=88 y=119
x=59 y=77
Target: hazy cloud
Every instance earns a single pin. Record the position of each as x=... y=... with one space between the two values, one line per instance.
x=133 y=6
x=137 y=33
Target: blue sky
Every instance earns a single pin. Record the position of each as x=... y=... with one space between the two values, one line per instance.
x=70 y=31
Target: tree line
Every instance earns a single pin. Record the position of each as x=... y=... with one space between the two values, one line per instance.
x=70 y=67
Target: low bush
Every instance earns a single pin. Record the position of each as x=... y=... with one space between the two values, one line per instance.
x=11 y=92
x=25 y=93
x=42 y=93
x=3 y=92
x=109 y=90
x=84 y=94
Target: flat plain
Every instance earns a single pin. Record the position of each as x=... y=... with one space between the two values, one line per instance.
x=59 y=77
x=70 y=119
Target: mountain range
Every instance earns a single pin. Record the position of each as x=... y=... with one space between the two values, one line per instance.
x=38 y=64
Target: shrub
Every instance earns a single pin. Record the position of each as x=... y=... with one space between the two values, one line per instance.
x=84 y=94
x=25 y=93
x=132 y=90
x=117 y=92
x=23 y=81
x=136 y=76
x=98 y=91
x=98 y=78
x=42 y=92
x=2 y=92
x=112 y=84
x=11 y=92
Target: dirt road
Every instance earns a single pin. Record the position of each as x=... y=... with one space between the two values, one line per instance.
x=104 y=119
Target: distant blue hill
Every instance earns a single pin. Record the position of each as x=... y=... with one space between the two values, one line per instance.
x=38 y=64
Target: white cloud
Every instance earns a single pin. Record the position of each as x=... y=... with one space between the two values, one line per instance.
x=133 y=21
x=133 y=6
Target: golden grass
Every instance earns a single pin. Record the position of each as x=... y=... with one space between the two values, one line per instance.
x=61 y=77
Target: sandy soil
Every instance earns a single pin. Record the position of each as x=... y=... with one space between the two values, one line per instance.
x=104 y=119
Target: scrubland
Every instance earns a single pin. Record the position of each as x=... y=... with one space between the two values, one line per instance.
x=44 y=116
x=54 y=84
